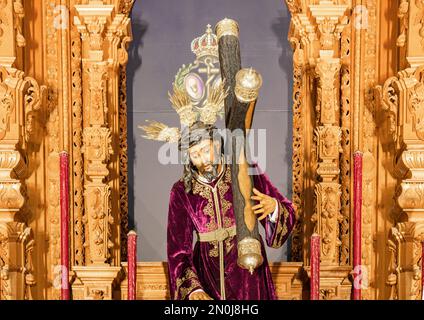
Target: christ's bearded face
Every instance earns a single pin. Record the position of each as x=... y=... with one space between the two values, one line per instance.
x=205 y=158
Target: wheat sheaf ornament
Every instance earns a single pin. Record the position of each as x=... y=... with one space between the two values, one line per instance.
x=198 y=91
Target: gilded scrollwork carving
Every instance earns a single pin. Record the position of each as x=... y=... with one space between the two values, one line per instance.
x=416 y=106
x=403 y=16
x=405 y=246
x=367 y=141
x=328 y=71
x=78 y=164
x=298 y=145
x=97 y=146
x=20 y=99
x=346 y=141
x=52 y=145
x=18 y=11
x=327 y=219
x=123 y=161
x=418 y=18
x=6 y=108
x=97 y=150
x=294 y=6
x=389 y=103
x=16 y=269
x=34 y=97
x=402 y=98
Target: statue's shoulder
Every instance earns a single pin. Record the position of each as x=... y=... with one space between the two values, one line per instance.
x=178 y=186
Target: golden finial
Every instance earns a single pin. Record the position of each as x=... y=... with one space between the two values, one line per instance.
x=248 y=83
x=227 y=27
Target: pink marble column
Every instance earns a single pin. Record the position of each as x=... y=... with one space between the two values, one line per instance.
x=64 y=224
x=315 y=263
x=132 y=265
x=357 y=222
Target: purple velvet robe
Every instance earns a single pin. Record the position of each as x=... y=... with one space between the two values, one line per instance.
x=198 y=268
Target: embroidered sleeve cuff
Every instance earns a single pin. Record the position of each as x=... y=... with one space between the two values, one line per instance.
x=274 y=216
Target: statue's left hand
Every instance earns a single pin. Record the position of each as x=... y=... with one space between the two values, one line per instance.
x=266 y=204
x=199 y=295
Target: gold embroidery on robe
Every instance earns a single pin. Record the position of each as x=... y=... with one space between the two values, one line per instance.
x=214 y=251
x=223 y=187
x=229 y=244
x=188 y=274
x=205 y=191
x=281 y=227
x=208 y=210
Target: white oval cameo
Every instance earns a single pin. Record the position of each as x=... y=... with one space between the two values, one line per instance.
x=194 y=86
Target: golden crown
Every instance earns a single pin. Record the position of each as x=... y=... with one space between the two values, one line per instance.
x=198 y=92
x=205 y=45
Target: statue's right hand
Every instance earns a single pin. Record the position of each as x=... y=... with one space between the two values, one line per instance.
x=199 y=295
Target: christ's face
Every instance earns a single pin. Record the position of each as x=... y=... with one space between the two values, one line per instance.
x=204 y=156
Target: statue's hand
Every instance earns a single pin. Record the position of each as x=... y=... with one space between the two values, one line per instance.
x=266 y=204
x=199 y=295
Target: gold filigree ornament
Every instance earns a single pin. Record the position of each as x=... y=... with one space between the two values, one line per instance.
x=198 y=91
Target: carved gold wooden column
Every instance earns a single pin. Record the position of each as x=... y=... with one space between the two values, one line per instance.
x=318 y=72
x=330 y=20
x=104 y=34
x=403 y=100
x=20 y=98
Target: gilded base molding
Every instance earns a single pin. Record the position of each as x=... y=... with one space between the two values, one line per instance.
x=94 y=282
x=152 y=280
x=335 y=283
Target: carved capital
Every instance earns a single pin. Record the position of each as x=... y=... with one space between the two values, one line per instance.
x=328 y=17
x=302 y=27
x=105 y=31
x=91 y=21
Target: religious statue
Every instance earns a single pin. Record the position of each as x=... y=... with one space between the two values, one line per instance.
x=216 y=197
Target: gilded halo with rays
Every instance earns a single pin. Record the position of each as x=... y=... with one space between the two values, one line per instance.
x=193 y=98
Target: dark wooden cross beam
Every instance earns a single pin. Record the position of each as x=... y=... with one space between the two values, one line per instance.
x=238 y=119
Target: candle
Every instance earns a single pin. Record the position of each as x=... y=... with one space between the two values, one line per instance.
x=132 y=265
x=422 y=270
x=357 y=221
x=315 y=263
x=64 y=224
